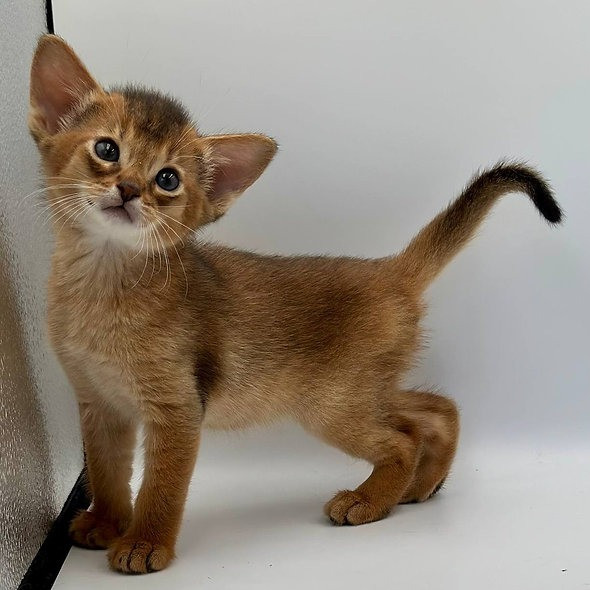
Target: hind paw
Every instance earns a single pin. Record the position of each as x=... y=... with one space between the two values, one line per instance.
x=348 y=507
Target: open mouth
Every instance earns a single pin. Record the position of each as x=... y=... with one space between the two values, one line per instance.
x=118 y=213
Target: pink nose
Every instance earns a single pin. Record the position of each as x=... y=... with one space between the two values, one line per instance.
x=128 y=190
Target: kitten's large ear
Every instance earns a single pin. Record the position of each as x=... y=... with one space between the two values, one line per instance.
x=235 y=162
x=59 y=81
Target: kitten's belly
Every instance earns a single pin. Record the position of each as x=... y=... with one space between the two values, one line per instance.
x=221 y=415
x=235 y=406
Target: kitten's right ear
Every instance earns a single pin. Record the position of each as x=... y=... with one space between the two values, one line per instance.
x=59 y=81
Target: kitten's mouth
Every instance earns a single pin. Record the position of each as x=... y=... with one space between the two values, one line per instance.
x=118 y=213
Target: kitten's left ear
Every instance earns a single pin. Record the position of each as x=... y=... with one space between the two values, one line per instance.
x=59 y=81
x=234 y=162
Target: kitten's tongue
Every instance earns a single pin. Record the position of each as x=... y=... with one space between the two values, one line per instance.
x=119 y=213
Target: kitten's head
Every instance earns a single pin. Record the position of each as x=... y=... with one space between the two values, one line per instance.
x=128 y=166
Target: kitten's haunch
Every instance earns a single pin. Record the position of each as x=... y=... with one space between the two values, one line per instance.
x=157 y=329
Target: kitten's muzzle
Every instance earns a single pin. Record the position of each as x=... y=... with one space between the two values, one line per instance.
x=124 y=206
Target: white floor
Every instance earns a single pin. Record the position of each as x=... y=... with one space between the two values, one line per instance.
x=508 y=518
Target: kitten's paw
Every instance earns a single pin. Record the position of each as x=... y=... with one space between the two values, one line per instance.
x=349 y=507
x=90 y=531
x=132 y=555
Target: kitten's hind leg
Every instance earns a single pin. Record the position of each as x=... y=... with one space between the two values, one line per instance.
x=437 y=418
x=409 y=437
x=393 y=454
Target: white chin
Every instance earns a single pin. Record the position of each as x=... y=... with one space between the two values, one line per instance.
x=109 y=227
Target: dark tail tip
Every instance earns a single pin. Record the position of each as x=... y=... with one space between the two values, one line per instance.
x=521 y=177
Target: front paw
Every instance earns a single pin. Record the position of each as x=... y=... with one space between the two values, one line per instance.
x=133 y=555
x=91 y=531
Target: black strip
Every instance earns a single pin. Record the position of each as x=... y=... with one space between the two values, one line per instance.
x=52 y=554
x=49 y=16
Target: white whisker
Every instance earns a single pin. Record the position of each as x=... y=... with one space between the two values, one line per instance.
x=58 y=207
x=166 y=260
x=164 y=226
x=176 y=220
x=66 y=214
x=143 y=271
x=48 y=188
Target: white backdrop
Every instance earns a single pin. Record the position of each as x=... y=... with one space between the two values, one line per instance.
x=383 y=110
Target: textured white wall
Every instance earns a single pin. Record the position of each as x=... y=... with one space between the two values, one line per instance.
x=41 y=449
x=383 y=110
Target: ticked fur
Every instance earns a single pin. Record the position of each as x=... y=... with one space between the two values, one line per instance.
x=153 y=327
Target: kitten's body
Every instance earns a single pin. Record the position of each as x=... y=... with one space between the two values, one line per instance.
x=336 y=324
x=153 y=328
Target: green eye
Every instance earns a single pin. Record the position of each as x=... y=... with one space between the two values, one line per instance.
x=167 y=179
x=107 y=149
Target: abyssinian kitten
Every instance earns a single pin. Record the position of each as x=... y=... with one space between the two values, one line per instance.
x=156 y=328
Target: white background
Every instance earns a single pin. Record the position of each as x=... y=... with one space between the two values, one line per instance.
x=383 y=110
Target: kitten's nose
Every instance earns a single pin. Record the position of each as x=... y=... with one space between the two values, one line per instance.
x=128 y=190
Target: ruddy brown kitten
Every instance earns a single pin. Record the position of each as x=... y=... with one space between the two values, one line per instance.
x=155 y=328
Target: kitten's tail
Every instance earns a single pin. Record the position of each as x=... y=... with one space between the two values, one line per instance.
x=436 y=244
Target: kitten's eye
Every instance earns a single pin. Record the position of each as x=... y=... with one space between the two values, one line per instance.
x=167 y=179
x=107 y=149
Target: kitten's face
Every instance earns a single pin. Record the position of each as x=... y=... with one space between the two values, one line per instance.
x=128 y=167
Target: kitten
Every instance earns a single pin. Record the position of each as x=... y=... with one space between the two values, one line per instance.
x=152 y=327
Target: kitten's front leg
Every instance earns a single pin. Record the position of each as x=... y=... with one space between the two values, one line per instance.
x=109 y=442
x=171 y=445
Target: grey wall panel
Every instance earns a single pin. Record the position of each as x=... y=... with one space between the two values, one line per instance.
x=40 y=447
x=26 y=499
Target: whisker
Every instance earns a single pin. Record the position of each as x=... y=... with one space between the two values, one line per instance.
x=152 y=230
x=143 y=271
x=71 y=202
x=48 y=188
x=167 y=261
x=81 y=211
x=171 y=229
x=158 y=250
x=142 y=228
x=67 y=178
x=162 y=251
x=140 y=237
x=62 y=199
x=57 y=207
x=176 y=220
x=53 y=213
x=164 y=226
x=66 y=213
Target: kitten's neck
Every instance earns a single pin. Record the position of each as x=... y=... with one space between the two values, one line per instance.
x=106 y=266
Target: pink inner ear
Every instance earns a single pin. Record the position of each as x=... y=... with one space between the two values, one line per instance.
x=58 y=81
x=55 y=102
x=238 y=162
x=232 y=173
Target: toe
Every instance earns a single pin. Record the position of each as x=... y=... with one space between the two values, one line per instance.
x=363 y=512
x=350 y=507
x=92 y=532
x=137 y=556
x=337 y=508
